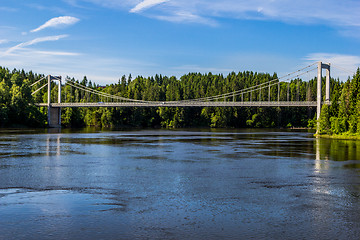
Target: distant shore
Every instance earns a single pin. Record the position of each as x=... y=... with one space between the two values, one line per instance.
x=339 y=136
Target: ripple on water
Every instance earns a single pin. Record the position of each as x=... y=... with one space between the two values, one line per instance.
x=63 y=199
x=71 y=214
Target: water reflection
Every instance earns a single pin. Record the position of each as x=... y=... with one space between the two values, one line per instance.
x=53 y=145
x=322 y=160
x=339 y=150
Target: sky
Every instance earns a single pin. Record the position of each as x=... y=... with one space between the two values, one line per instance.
x=106 y=39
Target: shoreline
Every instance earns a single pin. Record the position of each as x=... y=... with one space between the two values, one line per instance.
x=337 y=136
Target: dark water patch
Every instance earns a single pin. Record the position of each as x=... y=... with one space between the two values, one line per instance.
x=20 y=155
x=5 y=166
x=352 y=165
x=112 y=207
x=279 y=186
x=286 y=154
x=5 y=141
x=47 y=153
x=233 y=156
x=151 y=157
x=213 y=150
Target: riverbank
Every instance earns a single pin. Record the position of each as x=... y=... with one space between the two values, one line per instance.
x=346 y=136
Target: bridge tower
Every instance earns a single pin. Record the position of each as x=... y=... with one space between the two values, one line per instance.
x=54 y=113
x=322 y=66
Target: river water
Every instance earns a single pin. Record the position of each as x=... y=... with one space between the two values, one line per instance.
x=178 y=184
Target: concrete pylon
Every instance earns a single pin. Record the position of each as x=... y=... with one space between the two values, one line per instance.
x=327 y=90
x=54 y=113
x=318 y=95
x=327 y=83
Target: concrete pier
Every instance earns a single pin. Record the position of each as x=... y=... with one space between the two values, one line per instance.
x=319 y=99
x=54 y=113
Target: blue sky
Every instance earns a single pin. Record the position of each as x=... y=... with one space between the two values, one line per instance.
x=105 y=39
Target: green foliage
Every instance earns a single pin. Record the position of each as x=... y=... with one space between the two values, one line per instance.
x=335 y=125
x=106 y=117
x=312 y=123
x=16 y=101
x=324 y=120
x=343 y=116
x=252 y=122
x=352 y=124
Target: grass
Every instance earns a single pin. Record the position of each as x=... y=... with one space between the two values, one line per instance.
x=345 y=136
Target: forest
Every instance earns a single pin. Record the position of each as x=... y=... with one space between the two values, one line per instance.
x=342 y=117
x=17 y=102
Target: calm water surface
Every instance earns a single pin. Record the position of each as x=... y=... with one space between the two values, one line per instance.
x=162 y=184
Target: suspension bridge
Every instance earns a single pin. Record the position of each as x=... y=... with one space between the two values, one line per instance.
x=238 y=98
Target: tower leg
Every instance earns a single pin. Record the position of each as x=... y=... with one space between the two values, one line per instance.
x=54 y=113
x=318 y=97
x=327 y=92
x=49 y=98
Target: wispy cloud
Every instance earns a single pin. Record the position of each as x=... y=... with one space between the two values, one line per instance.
x=342 y=65
x=32 y=42
x=56 y=22
x=330 y=12
x=344 y=13
x=146 y=4
x=47 y=62
x=2 y=41
x=187 y=17
x=7 y=9
x=114 y=4
x=56 y=53
x=196 y=68
x=102 y=71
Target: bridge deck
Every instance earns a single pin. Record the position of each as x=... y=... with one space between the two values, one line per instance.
x=186 y=104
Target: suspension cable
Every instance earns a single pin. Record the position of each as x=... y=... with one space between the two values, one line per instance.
x=342 y=69
x=273 y=83
x=82 y=87
x=39 y=89
x=37 y=81
x=249 y=89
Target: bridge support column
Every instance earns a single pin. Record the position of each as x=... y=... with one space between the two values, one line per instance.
x=327 y=83
x=54 y=117
x=54 y=113
x=318 y=97
x=327 y=91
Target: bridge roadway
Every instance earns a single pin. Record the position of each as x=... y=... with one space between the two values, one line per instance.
x=185 y=104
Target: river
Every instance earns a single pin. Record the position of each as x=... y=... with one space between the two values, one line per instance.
x=178 y=184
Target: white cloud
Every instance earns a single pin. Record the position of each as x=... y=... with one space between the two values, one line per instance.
x=146 y=4
x=123 y=4
x=330 y=12
x=187 y=17
x=104 y=70
x=56 y=53
x=344 y=13
x=2 y=41
x=7 y=9
x=32 y=42
x=342 y=65
x=56 y=22
x=196 y=68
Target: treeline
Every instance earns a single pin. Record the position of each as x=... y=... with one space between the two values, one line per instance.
x=342 y=117
x=16 y=102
